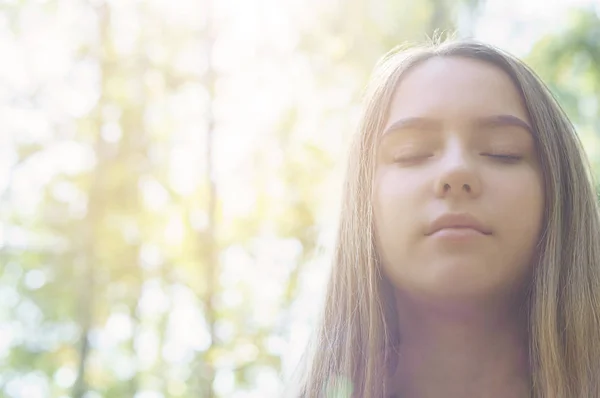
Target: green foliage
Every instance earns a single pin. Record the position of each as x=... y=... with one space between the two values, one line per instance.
x=569 y=61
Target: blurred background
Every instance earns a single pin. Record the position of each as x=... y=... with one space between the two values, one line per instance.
x=170 y=174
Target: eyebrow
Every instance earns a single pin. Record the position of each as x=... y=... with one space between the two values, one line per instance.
x=504 y=120
x=422 y=123
x=418 y=123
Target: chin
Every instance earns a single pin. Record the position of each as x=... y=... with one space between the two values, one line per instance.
x=461 y=282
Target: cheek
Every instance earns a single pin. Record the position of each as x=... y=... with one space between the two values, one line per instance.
x=519 y=204
x=402 y=189
x=397 y=200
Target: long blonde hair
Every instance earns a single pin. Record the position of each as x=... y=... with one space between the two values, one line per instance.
x=354 y=346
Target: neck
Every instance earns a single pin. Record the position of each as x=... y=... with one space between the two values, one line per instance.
x=461 y=351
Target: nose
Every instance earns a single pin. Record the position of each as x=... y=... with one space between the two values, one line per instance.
x=457 y=177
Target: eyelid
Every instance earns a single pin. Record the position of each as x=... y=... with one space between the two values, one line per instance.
x=507 y=157
x=410 y=147
x=411 y=158
x=503 y=154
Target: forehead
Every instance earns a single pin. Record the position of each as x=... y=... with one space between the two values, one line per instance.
x=455 y=88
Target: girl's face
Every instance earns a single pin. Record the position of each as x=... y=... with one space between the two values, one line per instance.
x=458 y=191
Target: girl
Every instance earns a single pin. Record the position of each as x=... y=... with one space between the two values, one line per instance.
x=467 y=257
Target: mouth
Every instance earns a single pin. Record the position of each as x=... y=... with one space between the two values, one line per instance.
x=457 y=224
x=457 y=233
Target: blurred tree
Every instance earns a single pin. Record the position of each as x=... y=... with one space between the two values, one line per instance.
x=89 y=255
x=357 y=32
x=211 y=249
x=569 y=60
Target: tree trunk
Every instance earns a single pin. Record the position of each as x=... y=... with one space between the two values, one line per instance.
x=87 y=284
x=211 y=253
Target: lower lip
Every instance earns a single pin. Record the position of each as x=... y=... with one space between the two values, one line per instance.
x=457 y=233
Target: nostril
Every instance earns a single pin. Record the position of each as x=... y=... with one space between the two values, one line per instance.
x=467 y=187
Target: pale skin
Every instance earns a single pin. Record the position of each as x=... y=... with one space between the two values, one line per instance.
x=458 y=140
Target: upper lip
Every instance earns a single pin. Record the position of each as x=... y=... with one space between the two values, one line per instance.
x=457 y=220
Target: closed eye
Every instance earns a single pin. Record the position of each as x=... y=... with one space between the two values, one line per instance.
x=409 y=159
x=506 y=158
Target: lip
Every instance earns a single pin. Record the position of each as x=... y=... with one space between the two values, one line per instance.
x=456 y=222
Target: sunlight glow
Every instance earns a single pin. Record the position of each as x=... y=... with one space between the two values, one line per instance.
x=271 y=93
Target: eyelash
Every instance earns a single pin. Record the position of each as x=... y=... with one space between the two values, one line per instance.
x=410 y=159
x=500 y=157
x=504 y=158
